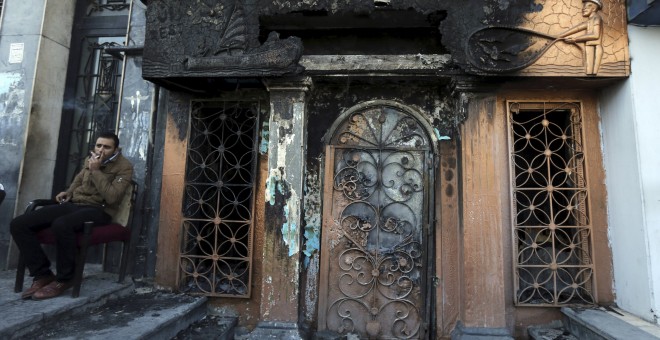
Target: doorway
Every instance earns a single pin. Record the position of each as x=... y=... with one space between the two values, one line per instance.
x=376 y=236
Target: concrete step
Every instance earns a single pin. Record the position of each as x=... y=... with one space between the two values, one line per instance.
x=551 y=331
x=598 y=324
x=23 y=316
x=461 y=332
x=273 y=330
x=104 y=310
x=214 y=327
x=144 y=314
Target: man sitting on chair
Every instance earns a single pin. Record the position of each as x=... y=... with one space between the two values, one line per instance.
x=94 y=196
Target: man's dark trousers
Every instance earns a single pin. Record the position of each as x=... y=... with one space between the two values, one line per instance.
x=64 y=220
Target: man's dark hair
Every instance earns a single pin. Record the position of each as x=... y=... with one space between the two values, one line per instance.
x=110 y=135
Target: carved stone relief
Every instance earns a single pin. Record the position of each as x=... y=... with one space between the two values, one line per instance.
x=192 y=39
x=210 y=38
x=576 y=37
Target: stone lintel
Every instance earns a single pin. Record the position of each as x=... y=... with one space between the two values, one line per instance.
x=299 y=84
x=408 y=63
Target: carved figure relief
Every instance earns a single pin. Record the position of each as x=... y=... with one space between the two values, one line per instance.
x=592 y=37
x=200 y=38
x=594 y=46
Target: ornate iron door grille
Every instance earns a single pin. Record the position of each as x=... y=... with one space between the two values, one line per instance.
x=375 y=235
x=93 y=83
x=218 y=204
x=552 y=232
x=110 y=5
x=97 y=94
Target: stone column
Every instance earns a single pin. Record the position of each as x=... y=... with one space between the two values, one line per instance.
x=485 y=204
x=287 y=151
x=30 y=122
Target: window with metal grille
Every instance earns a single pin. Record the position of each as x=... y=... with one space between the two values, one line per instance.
x=216 y=246
x=552 y=236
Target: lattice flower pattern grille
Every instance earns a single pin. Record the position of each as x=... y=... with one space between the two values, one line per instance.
x=216 y=250
x=552 y=231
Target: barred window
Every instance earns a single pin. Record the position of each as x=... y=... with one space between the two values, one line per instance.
x=552 y=233
x=218 y=205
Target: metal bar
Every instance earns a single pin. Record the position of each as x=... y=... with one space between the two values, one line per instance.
x=549 y=208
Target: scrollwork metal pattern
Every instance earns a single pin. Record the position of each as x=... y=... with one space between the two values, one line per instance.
x=110 y=5
x=95 y=105
x=380 y=209
x=216 y=250
x=552 y=228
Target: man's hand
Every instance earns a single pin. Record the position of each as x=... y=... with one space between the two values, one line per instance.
x=94 y=161
x=62 y=197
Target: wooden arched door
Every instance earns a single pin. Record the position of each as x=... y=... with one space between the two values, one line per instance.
x=375 y=237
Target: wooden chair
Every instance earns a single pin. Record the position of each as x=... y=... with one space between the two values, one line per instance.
x=119 y=230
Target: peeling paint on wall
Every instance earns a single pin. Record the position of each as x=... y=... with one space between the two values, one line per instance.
x=443 y=118
x=312 y=206
x=278 y=183
x=178 y=110
x=12 y=127
x=13 y=121
x=439 y=135
x=290 y=227
x=436 y=103
x=270 y=298
x=265 y=134
x=311 y=288
x=462 y=106
x=12 y=105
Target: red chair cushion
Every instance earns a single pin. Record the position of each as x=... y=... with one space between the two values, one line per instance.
x=101 y=234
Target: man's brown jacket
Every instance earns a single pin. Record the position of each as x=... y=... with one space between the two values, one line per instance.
x=104 y=187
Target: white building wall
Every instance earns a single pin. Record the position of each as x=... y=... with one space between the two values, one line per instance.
x=630 y=113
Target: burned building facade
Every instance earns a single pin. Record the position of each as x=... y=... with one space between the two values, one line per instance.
x=391 y=169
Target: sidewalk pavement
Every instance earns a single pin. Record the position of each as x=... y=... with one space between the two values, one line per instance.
x=105 y=309
x=22 y=316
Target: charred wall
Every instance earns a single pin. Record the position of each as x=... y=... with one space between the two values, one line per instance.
x=343 y=29
x=329 y=100
x=326 y=103
x=179 y=30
